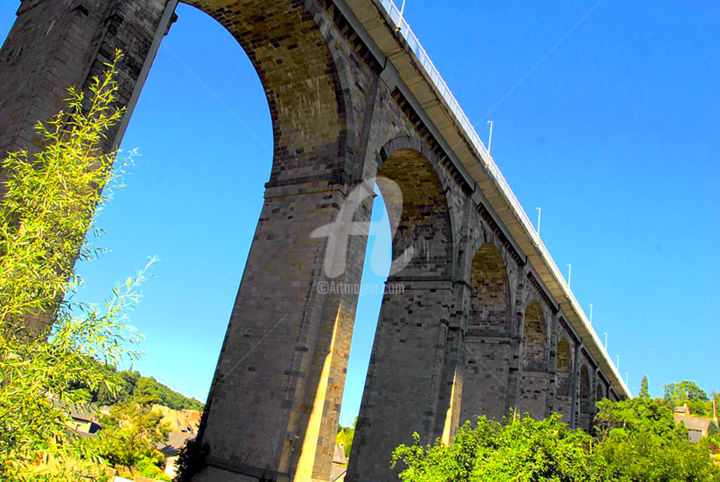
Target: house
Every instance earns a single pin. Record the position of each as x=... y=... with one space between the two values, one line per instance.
x=698 y=427
x=176 y=440
x=183 y=427
x=83 y=418
x=339 y=465
x=182 y=420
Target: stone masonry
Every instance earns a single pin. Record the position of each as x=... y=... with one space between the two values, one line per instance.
x=474 y=330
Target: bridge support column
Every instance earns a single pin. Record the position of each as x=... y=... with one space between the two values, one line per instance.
x=403 y=383
x=534 y=397
x=586 y=403
x=452 y=384
x=574 y=385
x=488 y=361
x=274 y=404
x=562 y=400
x=54 y=45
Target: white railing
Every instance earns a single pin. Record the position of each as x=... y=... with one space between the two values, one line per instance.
x=402 y=26
x=460 y=115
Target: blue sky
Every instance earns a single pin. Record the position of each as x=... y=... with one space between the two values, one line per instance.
x=615 y=134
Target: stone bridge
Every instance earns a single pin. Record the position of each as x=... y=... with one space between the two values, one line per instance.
x=484 y=321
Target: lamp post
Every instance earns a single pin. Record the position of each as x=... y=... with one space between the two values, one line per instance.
x=490 y=123
x=400 y=19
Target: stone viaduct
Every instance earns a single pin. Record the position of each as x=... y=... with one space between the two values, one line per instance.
x=485 y=321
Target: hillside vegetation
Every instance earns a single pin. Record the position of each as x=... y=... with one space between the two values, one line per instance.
x=133 y=387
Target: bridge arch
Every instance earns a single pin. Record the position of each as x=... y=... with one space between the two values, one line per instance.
x=563 y=368
x=304 y=83
x=534 y=336
x=586 y=399
x=486 y=361
x=291 y=45
x=490 y=299
x=291 y=432
x=584 y=383
x=413 y=326
x=534 y=381
x=417 y=206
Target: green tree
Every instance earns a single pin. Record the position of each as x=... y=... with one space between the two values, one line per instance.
x=131 y=385
x=639 y=440
x=129 y=436
x=148 y=391
x=635 y=439
x=521 y=449
x=44 y=216
x=49 y=204
x=345 y=437
x=191 y=460
x=688 y=392
x=644 y=391
x=643 y=415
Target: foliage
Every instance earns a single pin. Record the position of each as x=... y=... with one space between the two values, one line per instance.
x=148 y=391
x=714 y=440
x=644 y=390
x=37 y=379
x=646 y=415
x=132 y=386
x=47 y=209
x=345 y=437
x=129 y=436
x=635 y=439
x=151 y=470
x=688 y=392
x=639 y=440
x=191 y=460
x=521 y=449
x=684 y=391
